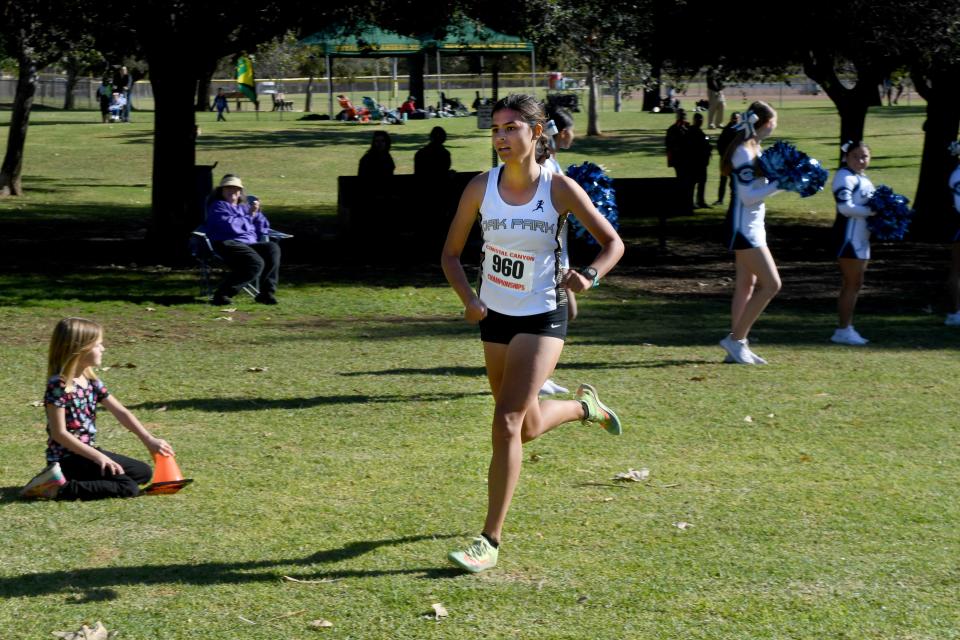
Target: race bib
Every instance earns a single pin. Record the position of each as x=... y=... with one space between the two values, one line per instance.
x=509 y=269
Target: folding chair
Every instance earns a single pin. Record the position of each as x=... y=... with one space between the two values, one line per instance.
x=202 y=249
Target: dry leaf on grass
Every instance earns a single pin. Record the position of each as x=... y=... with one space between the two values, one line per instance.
x=36 y=403
x=683 y=526
x=582 y=599
x=320 y=623
x=161 y=409
x=227 y=318
x=150 y=309
x=97 y=632
x=323 y=581
x=256 y=369
x=748 y=419
x=117 y=365
x=228 y=310
x=633 y=475
x=439 y=611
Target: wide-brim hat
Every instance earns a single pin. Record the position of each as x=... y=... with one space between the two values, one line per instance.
x=231 y=181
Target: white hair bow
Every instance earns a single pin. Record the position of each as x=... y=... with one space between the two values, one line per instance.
x=746 y=124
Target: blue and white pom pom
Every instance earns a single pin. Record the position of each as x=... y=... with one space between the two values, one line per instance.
x=793 y=169
x=599 y=187
x=891 y=217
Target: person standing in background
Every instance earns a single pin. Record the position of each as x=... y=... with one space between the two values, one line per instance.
x=723 y=141
x=715 y=99
x=698 y=155
x=677 y=154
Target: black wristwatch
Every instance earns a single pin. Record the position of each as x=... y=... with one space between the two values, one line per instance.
x=591 y=274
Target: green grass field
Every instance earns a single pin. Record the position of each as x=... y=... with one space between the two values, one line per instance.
x=821 y=490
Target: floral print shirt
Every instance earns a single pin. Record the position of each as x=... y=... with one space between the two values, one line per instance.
x=80 y=409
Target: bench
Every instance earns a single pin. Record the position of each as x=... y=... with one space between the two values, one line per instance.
x=413 y=213
x=282 y=105
x=645 y=198
x=402 y=212
x=239 y=96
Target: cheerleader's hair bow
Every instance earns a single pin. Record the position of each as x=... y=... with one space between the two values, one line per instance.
x=954 y=148
x=550 y=128
x=747 y=123
x=845 y=147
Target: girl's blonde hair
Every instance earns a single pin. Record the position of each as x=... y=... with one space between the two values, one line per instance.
x=764 y=113
x=72 y=339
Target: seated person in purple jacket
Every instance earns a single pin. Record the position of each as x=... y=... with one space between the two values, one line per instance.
x=238 y=232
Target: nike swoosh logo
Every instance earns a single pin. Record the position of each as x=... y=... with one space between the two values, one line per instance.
x=554 y=326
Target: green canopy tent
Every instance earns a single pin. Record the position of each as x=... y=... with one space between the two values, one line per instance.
x=463 y=38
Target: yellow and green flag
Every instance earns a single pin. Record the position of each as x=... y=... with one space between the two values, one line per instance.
x=245 y=82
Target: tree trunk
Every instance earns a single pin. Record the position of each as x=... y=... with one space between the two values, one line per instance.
x=934 y=201
x=593 y=124
x=617 y=93
x=651 y=93
x=852 y=104
x=175 y=211
x=10 y=171
x=203 y=88
x=309 y=99
x=73 y=74
x=416 y=62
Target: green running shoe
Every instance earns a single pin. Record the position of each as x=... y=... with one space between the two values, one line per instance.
x=596 y=412
x=479 y=556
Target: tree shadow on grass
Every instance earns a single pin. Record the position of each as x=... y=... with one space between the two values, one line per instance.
x=98 y=583
x=224 y=405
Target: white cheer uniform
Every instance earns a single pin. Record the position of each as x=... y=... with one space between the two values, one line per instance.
x=851 y=235
x=552 y=164
x=521 y=250
x=744 y=223
x=955 y=189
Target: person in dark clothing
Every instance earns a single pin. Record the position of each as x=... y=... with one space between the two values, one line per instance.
x=698 y=155
x=220 y=104
x=726 y=137
x=377 y=161
x=433 y=160
x=104 y=91
x=677 y=154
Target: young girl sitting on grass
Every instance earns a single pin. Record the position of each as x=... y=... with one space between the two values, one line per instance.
x=77 y=469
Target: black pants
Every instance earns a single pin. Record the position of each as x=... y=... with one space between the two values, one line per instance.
x=687 y=185
x=85 y=482
x=259 y=262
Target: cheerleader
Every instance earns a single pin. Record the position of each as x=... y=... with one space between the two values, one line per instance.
x=852 y=190
x=953 y=318
x=559 y=134
x=757 y=279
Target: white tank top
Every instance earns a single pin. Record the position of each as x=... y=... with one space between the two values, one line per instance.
x=520 y=275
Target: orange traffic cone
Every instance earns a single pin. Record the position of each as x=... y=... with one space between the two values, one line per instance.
x=167 y=477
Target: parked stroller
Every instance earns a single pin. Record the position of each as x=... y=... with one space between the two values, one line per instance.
x=568 y=101
x=117 y=102
x=379 y=112
x=452 y=106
